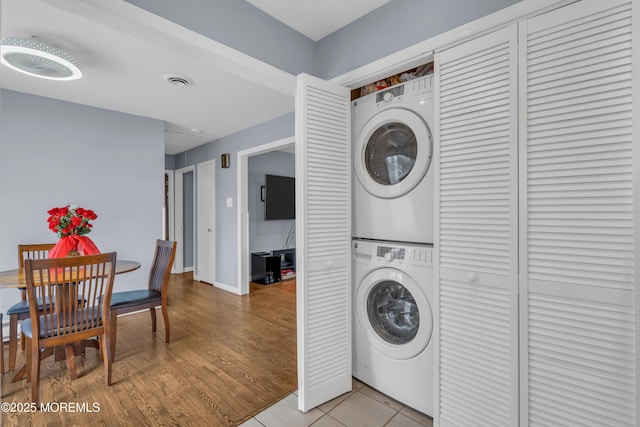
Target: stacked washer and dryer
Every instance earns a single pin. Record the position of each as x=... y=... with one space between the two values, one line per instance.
x=393 y=216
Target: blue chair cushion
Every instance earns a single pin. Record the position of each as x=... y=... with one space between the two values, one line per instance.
x=131 y=298
x=27 y=328
x=22 y=307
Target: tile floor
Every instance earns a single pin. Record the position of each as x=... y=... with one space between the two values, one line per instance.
x=362 y=407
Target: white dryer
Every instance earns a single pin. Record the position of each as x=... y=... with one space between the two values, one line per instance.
x=393 y=322
x=393 y=193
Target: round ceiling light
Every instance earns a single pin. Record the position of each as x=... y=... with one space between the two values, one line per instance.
x=38 y=59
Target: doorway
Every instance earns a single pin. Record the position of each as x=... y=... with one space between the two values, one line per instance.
x=184 y=190
x=243 y=204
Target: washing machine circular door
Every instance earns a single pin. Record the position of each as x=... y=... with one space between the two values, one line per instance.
x=394 y=313
x=393 y=153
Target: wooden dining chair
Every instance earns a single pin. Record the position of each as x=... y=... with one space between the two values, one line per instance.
x=154 y=296
x=32 y=251
x=20 y=310
x=81 y=288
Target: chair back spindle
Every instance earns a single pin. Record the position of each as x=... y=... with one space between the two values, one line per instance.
x=69 y=302
x=75 y=294
x=33 y=251
x=161 y=266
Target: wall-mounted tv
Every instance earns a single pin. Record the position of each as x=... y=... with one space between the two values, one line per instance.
x=279 y=197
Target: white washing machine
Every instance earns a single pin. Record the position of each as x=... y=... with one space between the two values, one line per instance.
x=393 y=322
x=393 y=193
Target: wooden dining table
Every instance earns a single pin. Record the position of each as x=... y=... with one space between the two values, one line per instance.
x=14 y=279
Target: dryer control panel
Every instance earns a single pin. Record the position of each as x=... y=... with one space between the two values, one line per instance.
x=388 y=95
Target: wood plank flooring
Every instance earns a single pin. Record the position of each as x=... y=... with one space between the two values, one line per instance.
x=230 y=357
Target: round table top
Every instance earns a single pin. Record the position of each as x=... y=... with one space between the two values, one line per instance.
x=15 y=278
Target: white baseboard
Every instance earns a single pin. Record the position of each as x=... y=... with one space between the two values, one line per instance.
x=228 y=288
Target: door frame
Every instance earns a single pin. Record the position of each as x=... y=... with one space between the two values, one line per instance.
x=179 y=216
x=243 y=204
x=168 y=212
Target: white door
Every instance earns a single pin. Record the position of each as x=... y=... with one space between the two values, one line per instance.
x=205 y=231
x=477 y=232
x=323 y=240
x=579 y=287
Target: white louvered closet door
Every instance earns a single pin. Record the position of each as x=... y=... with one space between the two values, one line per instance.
x=323 y=240
x=579 y=324
x=477 y=282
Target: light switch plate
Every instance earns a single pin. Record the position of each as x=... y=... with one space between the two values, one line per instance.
x=229 y=202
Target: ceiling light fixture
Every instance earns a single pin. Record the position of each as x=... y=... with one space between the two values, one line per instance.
x=38 y=59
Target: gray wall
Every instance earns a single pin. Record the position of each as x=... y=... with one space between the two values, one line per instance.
x=54 y=152
x=240 y=25
x=394 y=26
x=169 y=162
x=226 y=186
x=267 y=235
x=386 y=30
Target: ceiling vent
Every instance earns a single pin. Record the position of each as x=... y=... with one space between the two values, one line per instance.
x=177 y=80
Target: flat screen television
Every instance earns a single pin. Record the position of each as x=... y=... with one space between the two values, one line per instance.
x=280 y=197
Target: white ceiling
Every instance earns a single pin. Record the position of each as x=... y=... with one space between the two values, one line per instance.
x=125 y=52
x=317 y=19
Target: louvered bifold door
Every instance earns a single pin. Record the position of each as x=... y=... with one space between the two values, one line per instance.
x=577 y=214
x=323 y=240
x=477 y=318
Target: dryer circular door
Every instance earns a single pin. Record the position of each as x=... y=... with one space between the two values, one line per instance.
x=393 y=152
x=394 y=313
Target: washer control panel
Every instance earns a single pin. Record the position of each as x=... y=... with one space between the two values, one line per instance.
x=389 y=253
x=381 y=253
x=410 y=255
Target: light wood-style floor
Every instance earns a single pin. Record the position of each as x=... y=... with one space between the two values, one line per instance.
x=229 y=358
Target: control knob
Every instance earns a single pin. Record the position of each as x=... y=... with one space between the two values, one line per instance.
x=388 y=257
x=387 y=97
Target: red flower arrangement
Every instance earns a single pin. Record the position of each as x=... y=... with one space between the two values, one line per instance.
x=71 y=223
x=70 y=220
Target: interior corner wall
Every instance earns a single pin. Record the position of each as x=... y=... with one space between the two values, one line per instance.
x=169 y=162
x=268 y=235
x=394 y=26
x=53 y=153
x=226 y=186
x=241 y=26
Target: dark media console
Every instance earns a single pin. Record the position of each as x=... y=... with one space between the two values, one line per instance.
x=274 y=266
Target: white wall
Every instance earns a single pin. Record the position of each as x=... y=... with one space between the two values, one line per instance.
x=267 y=235
x=53 y=153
